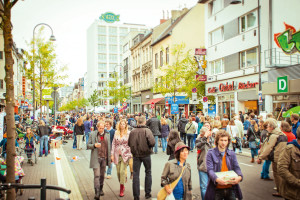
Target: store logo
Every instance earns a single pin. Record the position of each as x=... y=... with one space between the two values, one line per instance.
x=282 y=84
x=289 y=40
x=110 y=17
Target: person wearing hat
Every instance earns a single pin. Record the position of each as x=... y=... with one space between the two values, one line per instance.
x=176 y=168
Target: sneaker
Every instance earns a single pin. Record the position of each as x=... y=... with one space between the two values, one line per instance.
x=108 y=177
x=148 y=196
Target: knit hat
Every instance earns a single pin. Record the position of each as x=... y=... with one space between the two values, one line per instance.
x=180 y=145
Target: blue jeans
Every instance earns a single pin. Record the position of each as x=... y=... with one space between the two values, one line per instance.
x=194 y=141
x=203 y=178
x=156 y=144
x=254 y=149
x=164 y=143
x=87 y=135
x=265 y=169
x=109 y=169
x=44 y=142
x=75 y=141
x=190 y=138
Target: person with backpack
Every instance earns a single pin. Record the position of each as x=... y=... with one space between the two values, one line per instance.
x=165 y=130
x=181 y=127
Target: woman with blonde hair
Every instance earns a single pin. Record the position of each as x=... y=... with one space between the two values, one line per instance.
x=165 y=130
x=120 y=153
x=79 y=132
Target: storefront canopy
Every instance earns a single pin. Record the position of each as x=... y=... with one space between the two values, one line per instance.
x=154 y=101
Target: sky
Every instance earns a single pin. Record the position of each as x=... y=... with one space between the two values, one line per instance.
x=70 y=20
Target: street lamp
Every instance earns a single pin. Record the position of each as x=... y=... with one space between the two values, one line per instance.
x=52 y=38
x=259 y=50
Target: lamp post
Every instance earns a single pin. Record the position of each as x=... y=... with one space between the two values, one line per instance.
x=259 y=51
x=52 y=38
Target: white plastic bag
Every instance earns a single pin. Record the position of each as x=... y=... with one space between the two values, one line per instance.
x=170 y=197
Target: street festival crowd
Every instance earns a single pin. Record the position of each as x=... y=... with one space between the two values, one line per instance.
x=130 y=140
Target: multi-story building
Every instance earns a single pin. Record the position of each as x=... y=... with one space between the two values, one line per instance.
x=104 y=52
x=65 y=91
x=234 y=34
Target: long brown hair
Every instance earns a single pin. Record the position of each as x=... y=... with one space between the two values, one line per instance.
x=79 y=121
x=220 y=134
x=118 y=131
x=253 y=122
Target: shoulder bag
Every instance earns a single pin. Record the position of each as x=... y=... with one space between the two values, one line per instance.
x=233 y=140
x=257 y=140
x=162 y=194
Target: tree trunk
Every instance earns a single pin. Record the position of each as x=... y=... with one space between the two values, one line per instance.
x=10 y=100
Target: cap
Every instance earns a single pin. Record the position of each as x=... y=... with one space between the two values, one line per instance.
x=180 y=145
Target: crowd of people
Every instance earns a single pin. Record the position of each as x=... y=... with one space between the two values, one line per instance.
x=130 y=140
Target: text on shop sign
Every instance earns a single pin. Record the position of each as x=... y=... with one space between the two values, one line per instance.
x=231 y=86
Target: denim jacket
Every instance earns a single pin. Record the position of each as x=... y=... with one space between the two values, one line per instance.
x=214 y=164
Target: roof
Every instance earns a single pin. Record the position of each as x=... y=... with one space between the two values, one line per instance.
x=154 y=101
x=168 y=32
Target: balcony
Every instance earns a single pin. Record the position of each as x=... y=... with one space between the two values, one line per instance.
x=276 y=58
x=147 y=66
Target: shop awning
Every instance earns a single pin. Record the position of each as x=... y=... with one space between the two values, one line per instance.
x=154 y=101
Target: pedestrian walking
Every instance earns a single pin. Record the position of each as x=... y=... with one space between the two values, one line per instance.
x=120 y=153
x=181 y=128
x=271 y=149
x=295 y=123
x=196 y=132
x=265 y=168
x=224 y=122
x=172 y=141
x=141 y=141
x=43 y=131
x=79 y=132
x=155 y=126
x=176 y=176
x=99 y=143
x=239 y=125
x=234 y=132
x=165 y=130
x=87 y=128
x=221 y=159
x=111 y=131
x=253 y=137
x=288 y=169
x=287 y=130
x=203 y=144
x=190 y=130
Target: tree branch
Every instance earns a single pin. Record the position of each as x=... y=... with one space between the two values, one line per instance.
x=13 y=3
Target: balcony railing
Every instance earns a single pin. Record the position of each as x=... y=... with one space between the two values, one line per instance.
x=277 y=58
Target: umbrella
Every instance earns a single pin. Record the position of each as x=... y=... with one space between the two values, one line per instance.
x=292 y=111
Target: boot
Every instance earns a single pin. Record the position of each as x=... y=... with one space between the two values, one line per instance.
x=97 y=194
x=101 y=190
x=252 y=160
x=122 y=189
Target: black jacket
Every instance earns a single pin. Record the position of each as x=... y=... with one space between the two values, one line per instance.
x=79 y=130
x=43 y=130
x=155 y=126
x=181 y=125
x=141 y=141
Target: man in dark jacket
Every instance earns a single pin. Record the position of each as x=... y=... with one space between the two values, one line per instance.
x=141 y=142
x=181 y=128
x=155 y=126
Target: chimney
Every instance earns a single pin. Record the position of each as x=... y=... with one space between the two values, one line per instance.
x=177 y=13
x=163 y=19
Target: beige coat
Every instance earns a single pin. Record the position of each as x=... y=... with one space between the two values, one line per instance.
x=289 y=170
x=190 y=128
x=172 y=171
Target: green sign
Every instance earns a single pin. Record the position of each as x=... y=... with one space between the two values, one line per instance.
x=110 y=17
x=47 y=94
x=282 y=84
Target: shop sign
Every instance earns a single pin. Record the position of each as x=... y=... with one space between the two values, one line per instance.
x=201 y=77
x=174 y=109
x=247 y=85
x=282 y=84
x=178 y=100
x=212 y=90
x=110 y=17
x=226 y=87
x=200 y=51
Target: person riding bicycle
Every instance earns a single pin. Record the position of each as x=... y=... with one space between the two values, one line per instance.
x=3 y=145
x=29 y=144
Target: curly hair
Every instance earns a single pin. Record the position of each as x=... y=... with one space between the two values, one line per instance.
x=220 y=134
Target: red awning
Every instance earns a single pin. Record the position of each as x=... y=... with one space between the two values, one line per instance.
x=154 y=101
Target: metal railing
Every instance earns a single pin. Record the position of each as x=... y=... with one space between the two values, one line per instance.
x=43 y=187
x=277 y=58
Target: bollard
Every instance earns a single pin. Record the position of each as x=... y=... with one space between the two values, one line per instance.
x=43 y=189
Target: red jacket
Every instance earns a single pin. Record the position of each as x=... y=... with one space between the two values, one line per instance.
x=290 y=136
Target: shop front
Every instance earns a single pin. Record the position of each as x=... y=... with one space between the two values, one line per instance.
x=183 y=104
x=146 y=96
x=136 y=104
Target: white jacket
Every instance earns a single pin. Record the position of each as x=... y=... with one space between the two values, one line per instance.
x=232 y=130
x=240 y=127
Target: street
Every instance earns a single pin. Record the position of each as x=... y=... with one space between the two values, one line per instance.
x=77 y=176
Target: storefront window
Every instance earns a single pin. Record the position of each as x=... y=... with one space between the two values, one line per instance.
x=283 y=103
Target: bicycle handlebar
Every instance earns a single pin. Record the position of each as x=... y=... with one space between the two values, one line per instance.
x=6 y=186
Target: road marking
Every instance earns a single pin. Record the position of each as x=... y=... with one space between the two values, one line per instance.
x=246 y=164
x=60 y=175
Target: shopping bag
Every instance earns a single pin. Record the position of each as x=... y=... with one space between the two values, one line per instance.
x=170 y=197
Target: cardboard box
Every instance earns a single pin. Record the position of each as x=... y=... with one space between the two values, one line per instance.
x=226 y=175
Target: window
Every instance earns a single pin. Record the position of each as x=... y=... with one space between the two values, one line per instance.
x=102 y=30
x=167 y=55
x=101 y=39
x=216 y=36
x=102 y=57
x=161 y=58
x=113 y=66
x=215 y=6
x=112 y=39
x=101 y=75
x=102 y=48
x=123 y=31
x=113 y=48
x=248 y=58
x=248 y=21
x=1 y=55
x=217 y=67
x=1 y=84
x=112 y=30
x=101 y=67
x=113 y=57
x=156 y=61
x=125 y=47
x=133 y=29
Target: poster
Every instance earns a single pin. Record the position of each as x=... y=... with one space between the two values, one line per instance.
x=212 y=110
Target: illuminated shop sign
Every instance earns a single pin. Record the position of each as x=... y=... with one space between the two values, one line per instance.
x=224 y=87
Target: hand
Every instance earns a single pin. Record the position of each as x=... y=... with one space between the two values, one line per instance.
x=207 y=134
x=236 y=180
x=258 y=151
x=221 y=181
x=168 y=189
x=112 y=158
x=98 y=145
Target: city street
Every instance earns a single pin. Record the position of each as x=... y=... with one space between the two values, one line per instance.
x=77 y=176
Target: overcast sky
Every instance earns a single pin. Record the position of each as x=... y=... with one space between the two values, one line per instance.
x=70 y=19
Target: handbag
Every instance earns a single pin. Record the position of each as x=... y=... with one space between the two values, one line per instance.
x=162 y=194
x=233 y=140
x=257 y=140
